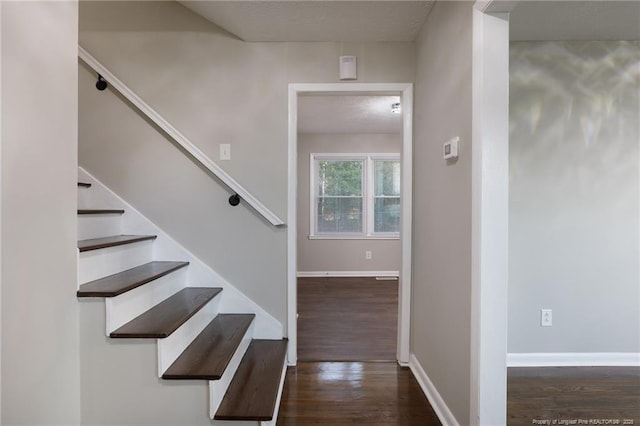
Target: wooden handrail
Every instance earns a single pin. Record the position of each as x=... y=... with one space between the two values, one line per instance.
x=182 y=140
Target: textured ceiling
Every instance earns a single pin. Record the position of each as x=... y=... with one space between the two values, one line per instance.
x=348 y=114
x=335 y=20
x=576 y=20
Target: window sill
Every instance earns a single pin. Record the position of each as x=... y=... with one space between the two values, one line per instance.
x=355 y=237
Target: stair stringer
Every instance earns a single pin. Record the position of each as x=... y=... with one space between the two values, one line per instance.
x=198 y=274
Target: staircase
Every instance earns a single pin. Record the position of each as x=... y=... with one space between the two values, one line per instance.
x=206 y=333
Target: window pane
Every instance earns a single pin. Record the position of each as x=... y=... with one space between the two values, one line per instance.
x=387 y=177
x=340 y=178
x=337 y=215
x=387 y=215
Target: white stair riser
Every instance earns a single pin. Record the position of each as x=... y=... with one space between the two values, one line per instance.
x=217 y=388
x=98 y=225
x=96 y=264
x=234 y=302
x=97 y=196
x=125 y=307
x=171 y=347
x=86 y=196
x=94 y=197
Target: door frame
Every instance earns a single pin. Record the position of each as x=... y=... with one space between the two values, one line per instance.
x=490 y=212
x=405 y=91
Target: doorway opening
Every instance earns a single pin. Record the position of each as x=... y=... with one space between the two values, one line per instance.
x=371 y=213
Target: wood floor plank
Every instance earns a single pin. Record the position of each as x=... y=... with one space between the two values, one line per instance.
x=209 y=354
x=112 y=241
x=347 y=319
x=119 y=283
x=347 y=393
x=573 y=393
x=253 y=391
x=165 y=318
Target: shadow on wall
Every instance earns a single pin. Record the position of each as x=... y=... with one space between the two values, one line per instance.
x=573 y=197
x=574 y=112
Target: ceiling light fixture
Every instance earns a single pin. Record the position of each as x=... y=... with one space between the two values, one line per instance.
x=395 y=108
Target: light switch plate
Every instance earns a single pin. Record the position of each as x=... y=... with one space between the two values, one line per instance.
x=225 y=151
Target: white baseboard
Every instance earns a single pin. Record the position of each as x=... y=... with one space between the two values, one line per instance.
x=437 y=403
x=305 y=274
x=574 y=359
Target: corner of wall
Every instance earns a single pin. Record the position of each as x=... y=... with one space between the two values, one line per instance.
x=431 y=392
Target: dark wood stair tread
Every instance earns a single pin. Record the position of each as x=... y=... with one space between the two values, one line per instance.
x=167 y=316
x=209 y=354
x=124 y=281
x=84 y=185
x=253 y=392
x=100 y=211
x=115 y=240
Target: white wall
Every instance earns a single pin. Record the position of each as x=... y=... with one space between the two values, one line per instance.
x=441 y=308
x=341 y=255
x=40 y=349
x=574 y=237
x=215 y=89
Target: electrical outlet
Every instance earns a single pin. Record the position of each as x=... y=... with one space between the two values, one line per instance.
x=546 y=317
x=368 y=255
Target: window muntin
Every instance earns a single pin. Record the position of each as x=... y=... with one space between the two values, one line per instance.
x=355 y=196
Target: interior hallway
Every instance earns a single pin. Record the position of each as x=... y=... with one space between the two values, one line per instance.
x=353 y=320
x=347 y=319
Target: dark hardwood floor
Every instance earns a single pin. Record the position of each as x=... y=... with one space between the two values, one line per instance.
x=347 y=319
x=607 y=394
x=355 y=319
x=347 y=393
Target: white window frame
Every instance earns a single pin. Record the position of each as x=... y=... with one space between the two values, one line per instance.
x=368 y=196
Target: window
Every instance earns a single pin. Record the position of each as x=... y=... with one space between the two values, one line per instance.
x=355 y=196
